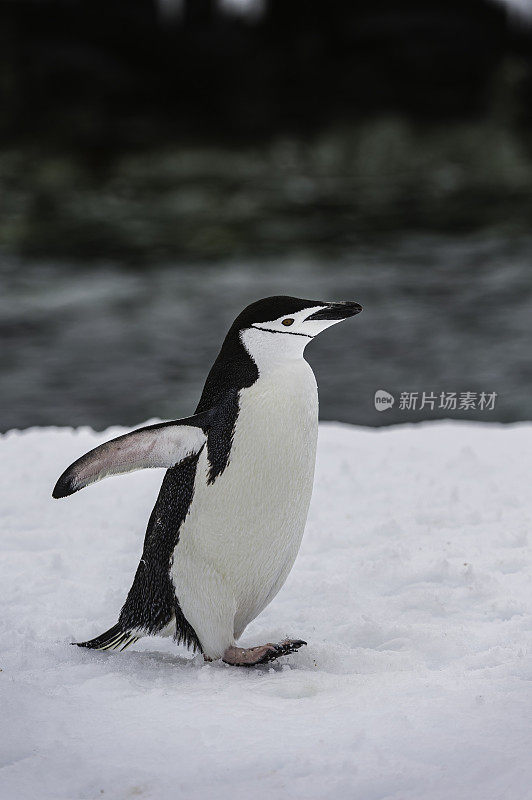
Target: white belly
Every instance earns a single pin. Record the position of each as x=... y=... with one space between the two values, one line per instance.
x=240 y=539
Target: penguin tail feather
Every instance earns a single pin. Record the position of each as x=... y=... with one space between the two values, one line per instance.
x=114 y=639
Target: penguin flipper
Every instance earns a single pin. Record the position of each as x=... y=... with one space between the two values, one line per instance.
x=113 y=639
x=162 y=445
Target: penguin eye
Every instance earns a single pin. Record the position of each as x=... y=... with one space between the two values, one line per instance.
x=288 y=321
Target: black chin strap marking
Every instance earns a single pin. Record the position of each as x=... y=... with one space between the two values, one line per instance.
x=287 y=333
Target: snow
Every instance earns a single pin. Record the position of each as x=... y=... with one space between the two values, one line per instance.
x=412 y=589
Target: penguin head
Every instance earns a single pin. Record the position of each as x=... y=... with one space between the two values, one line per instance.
x=278 y=328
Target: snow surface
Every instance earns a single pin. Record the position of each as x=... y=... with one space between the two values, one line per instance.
x=412 y=589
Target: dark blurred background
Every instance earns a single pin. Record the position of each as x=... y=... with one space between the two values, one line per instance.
x=164 y=163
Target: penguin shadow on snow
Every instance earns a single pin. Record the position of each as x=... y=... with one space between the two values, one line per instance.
x=163 y=666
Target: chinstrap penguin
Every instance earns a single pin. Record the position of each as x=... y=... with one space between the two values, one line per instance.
x=229 y=518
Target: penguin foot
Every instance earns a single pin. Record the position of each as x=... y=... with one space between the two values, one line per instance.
x=262 y=654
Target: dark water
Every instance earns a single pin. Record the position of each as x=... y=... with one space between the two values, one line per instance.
x=100 y=345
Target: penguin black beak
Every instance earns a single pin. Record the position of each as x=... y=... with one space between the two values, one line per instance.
x=337 y=311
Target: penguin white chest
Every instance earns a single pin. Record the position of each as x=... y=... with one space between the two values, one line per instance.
x=243 y=531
